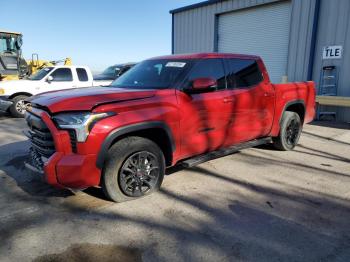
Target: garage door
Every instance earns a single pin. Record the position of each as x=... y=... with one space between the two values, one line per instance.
x=262 y=31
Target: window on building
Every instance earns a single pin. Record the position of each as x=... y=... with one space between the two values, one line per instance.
x=62 y=75
x=243 y=73
x=211 y=68
x=82 y=75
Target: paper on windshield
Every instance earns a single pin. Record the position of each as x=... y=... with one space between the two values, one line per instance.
x=175 y=64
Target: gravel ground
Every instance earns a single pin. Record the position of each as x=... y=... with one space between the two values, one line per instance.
x=256 y=205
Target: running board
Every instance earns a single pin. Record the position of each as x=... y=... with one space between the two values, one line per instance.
x=224 y=152
x=33 y=168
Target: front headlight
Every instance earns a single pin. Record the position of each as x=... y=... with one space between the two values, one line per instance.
x=80 y=122
x=2 y=91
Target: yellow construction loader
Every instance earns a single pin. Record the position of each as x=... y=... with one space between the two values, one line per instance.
x=35 y=64
x=12 y=64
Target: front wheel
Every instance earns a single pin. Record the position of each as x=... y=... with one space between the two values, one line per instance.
x=134 y=168
x=290 y=130
x=18 y=108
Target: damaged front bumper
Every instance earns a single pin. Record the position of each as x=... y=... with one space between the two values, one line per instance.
x=52 y=157
x=5 y=103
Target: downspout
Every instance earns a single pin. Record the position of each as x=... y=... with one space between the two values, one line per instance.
x=172 y=34
x=313 y=40
x=216 y=34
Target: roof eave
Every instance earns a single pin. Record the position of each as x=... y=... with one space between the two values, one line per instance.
x=193 y=6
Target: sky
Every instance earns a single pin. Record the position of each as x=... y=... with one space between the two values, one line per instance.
x=96 y=33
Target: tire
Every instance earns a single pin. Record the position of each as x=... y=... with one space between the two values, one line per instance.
x=17 y=105
x=131 y=162
x=290 y=130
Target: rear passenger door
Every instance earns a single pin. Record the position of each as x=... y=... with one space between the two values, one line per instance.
x=204 y=116
x=252 y=100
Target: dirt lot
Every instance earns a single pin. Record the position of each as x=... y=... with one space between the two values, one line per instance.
x=256 y=205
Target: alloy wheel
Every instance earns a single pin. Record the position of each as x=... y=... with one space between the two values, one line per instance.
x=139 y=174
x=20 y=107
x=292 y=132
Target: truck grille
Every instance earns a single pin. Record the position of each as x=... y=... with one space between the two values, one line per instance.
x=40 y=137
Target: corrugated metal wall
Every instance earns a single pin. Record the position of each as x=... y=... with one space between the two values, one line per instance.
x=195 y=31
x=334 y=29
x=303 y=12
x=245 y=31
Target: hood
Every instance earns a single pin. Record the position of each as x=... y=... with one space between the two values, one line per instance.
x=85 y=99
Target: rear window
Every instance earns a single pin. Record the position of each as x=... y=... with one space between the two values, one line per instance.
x=82 y=75
x=243 y=73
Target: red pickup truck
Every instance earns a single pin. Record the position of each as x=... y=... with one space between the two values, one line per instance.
x=164 y=111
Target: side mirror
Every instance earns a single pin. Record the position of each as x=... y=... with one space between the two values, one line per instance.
x=205 y=83
x=49 y=79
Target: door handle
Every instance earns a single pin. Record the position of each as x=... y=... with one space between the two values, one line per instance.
x=228 y=100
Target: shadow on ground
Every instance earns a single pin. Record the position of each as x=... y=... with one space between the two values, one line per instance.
x=210 y=215
x=331 y=124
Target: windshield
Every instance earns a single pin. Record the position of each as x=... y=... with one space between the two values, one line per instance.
x=111 y=71
x=8 y=44
x=153 y=74
x=41 y=74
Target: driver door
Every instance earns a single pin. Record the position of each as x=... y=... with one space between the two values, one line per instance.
x=62 y=78
x=204 y=116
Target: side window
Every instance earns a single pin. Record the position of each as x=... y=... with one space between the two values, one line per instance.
x=62 y=75
x=124 y=70
x=82 y=75
x=116 y=72
x=209 y=68
x=243 y=73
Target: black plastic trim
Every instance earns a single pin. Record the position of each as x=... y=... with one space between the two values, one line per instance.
x=224 y=152
x=107 y=143
x=294 y=102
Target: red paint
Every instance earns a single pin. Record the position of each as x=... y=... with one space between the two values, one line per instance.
x=199 y=122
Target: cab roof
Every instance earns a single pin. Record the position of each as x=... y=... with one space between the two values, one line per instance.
x=67 y=66
x=207 y=55
x=9 y=32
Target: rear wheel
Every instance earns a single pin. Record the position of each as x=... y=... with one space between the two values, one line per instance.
x=134 y=168
x=18 y=107
x=290 y=130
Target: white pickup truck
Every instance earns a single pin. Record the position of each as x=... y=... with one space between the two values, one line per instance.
x=13 y=93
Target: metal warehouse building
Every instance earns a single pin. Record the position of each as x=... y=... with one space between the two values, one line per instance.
x=299 y=40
